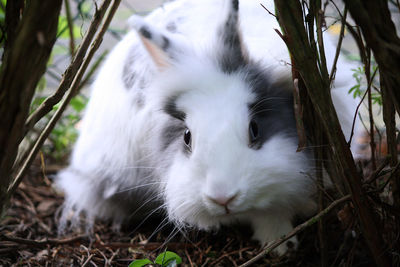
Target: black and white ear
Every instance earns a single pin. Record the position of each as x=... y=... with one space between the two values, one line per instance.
x=163 y=47
x=232 y=52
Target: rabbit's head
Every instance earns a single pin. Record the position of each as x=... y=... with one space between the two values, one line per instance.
x=231 y=138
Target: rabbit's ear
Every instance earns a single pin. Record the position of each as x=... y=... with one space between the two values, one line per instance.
x=162 y=46
x=232 y=53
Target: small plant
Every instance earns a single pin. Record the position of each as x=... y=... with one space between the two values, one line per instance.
x=359 y=89
x=165 y=259
x=65 y=132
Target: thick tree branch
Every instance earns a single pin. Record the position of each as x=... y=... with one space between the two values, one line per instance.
x=71 y=71
x=390 y=122
x=13 y=16
x=24 y=64
x=71 y=92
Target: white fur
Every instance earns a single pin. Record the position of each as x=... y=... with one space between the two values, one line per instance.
x=118 y=149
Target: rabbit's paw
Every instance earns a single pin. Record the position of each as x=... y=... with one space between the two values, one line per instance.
x=268 y=229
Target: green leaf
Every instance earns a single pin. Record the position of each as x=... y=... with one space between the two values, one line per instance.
x=78 y=103
x=167 y=257
x=355 y=90
x=3 y=4
x=140 y=263
x=63 y=32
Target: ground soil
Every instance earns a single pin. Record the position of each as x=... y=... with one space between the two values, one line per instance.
x=28 y=237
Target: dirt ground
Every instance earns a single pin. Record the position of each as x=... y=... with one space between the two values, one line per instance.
x=28 y=237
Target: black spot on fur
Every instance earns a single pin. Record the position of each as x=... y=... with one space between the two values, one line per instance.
x=235 y=5
x=132 y=79
x=128 y=75
x=128 y=78
x=145 y=32
x=232 y=56
x=172 y=132
x=273 y=108
x=171 y=109
x=171 y=27
x=165 y=43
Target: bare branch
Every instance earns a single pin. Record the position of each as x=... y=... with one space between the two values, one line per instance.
x=339 y=46
x=296 y=231
x=70 y=28
x=42 y=243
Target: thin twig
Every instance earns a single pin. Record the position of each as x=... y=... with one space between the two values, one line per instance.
x=339 y=45
x=319 y=16
x=88 y=260
x=70 y=28
x=189 y=259
x=367 y=67
x=375 y=175
x=296 y=230
x=114 y=253
x=298 y=113
x=392 y=176
x=358 y=107
x=41 y=243
x=269 y=12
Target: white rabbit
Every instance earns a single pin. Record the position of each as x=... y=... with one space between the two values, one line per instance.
x=191 y=114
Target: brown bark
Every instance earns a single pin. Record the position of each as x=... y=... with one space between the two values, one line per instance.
x=13 y=14
x=71 y=71
x=23 y=65
x=390 y=122
x=71 y=91
x=290 y=18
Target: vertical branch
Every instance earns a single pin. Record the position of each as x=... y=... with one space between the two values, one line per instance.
x=319 y=18
x=70 y=28
x=339 y=45
x=367 y=70
x=13 y=16
x=321 y=201
x=390 y=122
x=317 y=131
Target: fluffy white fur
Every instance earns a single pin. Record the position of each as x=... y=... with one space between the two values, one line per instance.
x=118 y=165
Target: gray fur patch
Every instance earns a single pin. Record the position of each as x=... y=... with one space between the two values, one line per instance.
x=273 y=110
x=132 y=80
x=172 y=132
x=128 y=74
x=145 y=32
x=171 y=109
x=165 y=43
x=171 y=27
x=232 y=56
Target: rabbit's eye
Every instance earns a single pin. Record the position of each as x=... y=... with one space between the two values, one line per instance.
x=187 y=137
x=253 y=132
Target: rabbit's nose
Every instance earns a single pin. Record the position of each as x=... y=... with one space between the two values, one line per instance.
x=223 y=201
